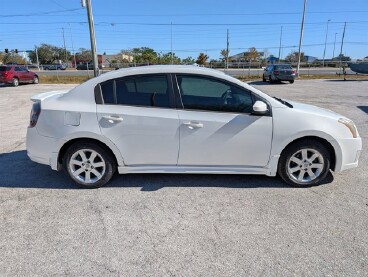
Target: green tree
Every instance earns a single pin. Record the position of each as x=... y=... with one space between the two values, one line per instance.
x=12 y=58
x=83 y=55
x=202 y=59
x=48 y=54
x=293 y=56
x=166 y=58
x=145 y=55
x=188 y=60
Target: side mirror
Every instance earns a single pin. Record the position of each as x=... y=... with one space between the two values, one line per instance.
x=260 y=107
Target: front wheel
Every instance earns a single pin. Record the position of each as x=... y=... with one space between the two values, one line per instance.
x=304 y=164
x=263 y=78
x=89 y=165
x=15 y=82
x=291 y=81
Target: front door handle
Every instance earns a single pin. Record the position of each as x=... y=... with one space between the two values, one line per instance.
x=113 y=118
x=193 y=125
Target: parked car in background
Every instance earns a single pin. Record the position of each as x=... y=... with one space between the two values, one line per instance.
x=185 y=119
x=279 y=72
x=54 y=67
x=16 y=74
x=85 y=66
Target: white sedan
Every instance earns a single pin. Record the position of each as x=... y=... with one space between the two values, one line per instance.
x=185 y=119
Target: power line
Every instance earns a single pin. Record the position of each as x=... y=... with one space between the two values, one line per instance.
x=39 y=13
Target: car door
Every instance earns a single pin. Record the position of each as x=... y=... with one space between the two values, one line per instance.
x=217 y=127
x=20 y=74
x=139 y=116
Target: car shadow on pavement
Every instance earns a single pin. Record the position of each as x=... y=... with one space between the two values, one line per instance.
x=18 y=171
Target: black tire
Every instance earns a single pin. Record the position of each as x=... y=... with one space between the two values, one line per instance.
x=36 y=80
x=263 y=79
x=15 y=82
x=110 y=165
x=270 y=79
x=291 y=82
x=288 y=153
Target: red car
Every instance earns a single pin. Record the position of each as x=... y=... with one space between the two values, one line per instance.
x=16 y=74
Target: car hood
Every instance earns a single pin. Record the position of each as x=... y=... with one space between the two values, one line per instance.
x=315 y=110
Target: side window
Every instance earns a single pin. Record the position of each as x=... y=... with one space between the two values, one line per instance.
x=107 y=89
x=202 y=93
x=149 y=91
x=18 y=69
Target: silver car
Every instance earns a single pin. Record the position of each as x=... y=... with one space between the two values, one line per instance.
x=279 y=72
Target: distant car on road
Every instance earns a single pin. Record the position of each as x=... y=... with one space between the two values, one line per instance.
x=83 y=66
x=54 y=67
x=279 y=72
x=16 y=74
x=185 y=119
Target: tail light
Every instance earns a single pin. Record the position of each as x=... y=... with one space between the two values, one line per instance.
x=276 y=72
x=293 y=72
x=35 y=113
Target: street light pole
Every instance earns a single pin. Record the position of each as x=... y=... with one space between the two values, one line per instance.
x=333 y=53
x=71 y=37
x=301 y=36
x=92 y=37
x=324 y=51
x=280 y=45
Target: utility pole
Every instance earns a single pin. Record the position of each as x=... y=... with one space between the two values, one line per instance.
x=342 y=44
x=301 y=36
x=171 y=47
x=71 y=38
x=227 y=49
x=92 y=36
x=66 y=56
x=38 y=63
x=280 y=45
x=324 y=51
x=333 y=53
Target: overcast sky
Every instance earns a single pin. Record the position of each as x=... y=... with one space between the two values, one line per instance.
x=197 y=26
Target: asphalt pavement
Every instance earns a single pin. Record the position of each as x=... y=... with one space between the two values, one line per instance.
x=182 y=225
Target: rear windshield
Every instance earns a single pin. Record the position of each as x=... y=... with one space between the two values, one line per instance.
x=283 y=66
x=4 y=68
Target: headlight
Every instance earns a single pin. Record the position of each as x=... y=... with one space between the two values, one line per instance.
x=350 y=124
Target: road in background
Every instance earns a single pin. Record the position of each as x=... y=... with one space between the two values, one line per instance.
x=232 y=72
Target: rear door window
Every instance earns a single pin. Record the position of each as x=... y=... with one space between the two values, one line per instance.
x=4 y=68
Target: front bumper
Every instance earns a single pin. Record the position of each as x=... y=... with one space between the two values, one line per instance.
x=350 y=152
x=40 y=149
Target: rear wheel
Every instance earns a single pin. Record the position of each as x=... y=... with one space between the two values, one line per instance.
x=15 y=82
x=89 y=165
x=291 y=82
x=264 y=78
x=270 y=79
x=305 y=163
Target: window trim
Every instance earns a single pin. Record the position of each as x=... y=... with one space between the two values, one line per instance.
x=254 y=97
x=100 y=101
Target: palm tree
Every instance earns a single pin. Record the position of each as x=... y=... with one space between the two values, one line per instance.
x=202 y=59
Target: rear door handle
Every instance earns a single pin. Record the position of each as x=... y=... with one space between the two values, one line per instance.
x=193 y=125
x=113 y=118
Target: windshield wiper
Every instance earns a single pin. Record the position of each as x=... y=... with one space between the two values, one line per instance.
x=284 y=102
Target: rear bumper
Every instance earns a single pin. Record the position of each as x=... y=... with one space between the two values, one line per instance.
x=350 y=152
x=5 y=80
x=40 y=149
x=285 y=78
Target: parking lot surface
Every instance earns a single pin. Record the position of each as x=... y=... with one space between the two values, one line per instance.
x=182 y=225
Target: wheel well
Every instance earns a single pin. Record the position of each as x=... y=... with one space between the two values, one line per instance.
x=324 y=142
x=65 y=147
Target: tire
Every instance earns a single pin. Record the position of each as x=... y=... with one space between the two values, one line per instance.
x=304 y=163
x=15 y=82
x=263 y=78
x=78 y=164
x=36 y=80
x=270 y=79
x=291 y=82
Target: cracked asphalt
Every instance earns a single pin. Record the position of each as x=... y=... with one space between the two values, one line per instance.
x=182 y=225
